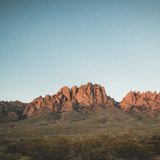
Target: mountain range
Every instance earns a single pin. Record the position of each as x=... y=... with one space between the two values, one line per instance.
x=83 y=102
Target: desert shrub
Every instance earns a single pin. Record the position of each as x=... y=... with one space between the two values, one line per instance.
x=39 y=149
x=60 y=149
x=27 y=147
x=9 y=156
x=92 y=148
x=155 y=139
x=131 y=149
x=106 y=148
x=87 y=148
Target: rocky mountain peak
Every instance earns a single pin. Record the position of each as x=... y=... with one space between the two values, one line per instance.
x=74 y=91
x=70 y=99
x=66 y=92
x=146 y=100
x=88 y=94
x=80 y=100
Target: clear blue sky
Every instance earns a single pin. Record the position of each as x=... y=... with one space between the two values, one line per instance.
x=47 y=44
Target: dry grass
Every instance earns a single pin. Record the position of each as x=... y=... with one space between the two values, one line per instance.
x=76 y=131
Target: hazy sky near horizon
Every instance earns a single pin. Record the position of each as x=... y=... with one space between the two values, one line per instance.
x=48 y=44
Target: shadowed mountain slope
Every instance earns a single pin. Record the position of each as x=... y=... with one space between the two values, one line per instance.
x=10 y=111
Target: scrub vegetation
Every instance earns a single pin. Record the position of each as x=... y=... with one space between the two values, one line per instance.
x=44 y=138
x=99 y=147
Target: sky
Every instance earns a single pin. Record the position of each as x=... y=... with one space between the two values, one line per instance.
x=48 y=44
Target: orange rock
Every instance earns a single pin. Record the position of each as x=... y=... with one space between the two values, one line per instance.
x=145 y=100
x=85 y=96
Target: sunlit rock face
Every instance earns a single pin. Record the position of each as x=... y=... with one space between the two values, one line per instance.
x=82 y=100
x=146 y=100
x=71 y=99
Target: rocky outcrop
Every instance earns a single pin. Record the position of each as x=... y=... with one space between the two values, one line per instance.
x=89 y=94
x=11 y=111
x=80 y=101
x=146 y=100
x=71 y=99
